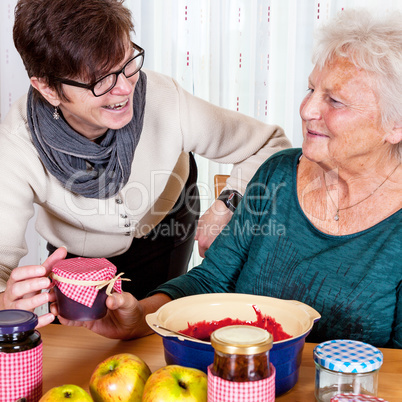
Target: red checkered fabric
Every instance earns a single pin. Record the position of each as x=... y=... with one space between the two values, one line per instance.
x=21 y=375
x=84 y=269
x=220 y=390
x=356 y=398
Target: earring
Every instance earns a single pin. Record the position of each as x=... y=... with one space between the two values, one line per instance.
x=56 y=115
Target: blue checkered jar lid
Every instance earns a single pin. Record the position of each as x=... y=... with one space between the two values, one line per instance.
x=347 y=356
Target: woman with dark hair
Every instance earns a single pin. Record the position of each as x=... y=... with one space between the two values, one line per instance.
x=105 y=150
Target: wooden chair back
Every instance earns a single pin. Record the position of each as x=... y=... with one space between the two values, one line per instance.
x=219 y=183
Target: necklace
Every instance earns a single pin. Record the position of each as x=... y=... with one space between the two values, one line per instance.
x=336 y=217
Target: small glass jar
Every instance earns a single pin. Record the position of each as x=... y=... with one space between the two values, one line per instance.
x=20 y=356
x=78 y=287
x=241 y=353
x=346 y=366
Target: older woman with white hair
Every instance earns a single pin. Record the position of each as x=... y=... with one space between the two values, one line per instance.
x=321 y=224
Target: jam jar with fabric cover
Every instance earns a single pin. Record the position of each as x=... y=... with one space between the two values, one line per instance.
x=20 y=357
x=82 y=286
x=241 y=370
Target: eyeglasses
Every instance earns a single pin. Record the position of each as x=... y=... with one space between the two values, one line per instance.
x=108 y=82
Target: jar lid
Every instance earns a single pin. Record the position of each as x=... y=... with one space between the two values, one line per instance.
x=12 y=321
x=241 y=340
x=85 y=269
x=356 y=398
x=348 y=356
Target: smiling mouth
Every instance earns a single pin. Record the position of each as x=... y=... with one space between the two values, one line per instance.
x=316 y=134
x=116 y=106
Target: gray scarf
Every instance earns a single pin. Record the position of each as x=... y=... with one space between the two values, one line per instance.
x=66 y=154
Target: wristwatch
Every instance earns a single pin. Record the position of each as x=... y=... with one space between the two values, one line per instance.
x=231 y=198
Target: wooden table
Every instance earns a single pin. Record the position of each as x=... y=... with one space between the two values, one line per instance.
x=70 y=354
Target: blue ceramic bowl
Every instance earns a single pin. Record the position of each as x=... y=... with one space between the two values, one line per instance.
x=296 y=319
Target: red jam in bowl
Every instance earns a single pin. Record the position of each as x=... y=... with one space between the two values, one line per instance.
x=202 y=330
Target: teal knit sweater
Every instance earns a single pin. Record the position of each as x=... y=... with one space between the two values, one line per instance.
x=271 y=248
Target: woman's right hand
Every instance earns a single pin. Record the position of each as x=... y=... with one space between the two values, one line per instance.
x=125 y=318
x=23 y=289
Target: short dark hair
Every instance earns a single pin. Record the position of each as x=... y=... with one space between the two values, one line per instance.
x=71 y=38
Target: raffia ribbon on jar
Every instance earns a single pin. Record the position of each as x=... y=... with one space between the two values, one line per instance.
x=97 y=284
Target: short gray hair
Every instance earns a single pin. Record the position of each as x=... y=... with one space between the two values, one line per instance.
x=373 y=43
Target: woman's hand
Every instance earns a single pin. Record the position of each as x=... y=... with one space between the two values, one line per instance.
x=125 y=318
x=211 y=224
x=23 y=290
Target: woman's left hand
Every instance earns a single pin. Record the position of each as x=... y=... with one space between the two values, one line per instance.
x=211 y=224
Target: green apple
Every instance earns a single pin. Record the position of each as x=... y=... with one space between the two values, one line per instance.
x=176 y=383
x=119 y=378
x=73 y=393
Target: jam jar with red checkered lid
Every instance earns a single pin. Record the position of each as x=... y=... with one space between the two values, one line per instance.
x=20 y=356
x=82 y=286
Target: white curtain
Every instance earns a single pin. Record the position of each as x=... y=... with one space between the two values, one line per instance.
x=252 y=56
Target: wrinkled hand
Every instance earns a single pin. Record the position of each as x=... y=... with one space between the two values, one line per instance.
x=125 y=318
x=211 y=224
x=23 y=290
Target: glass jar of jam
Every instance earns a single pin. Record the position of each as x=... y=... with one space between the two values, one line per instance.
x=241 y=353
x=20 y=356
x=82 y=287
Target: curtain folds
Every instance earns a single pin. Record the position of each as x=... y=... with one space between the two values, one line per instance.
x=252 y=56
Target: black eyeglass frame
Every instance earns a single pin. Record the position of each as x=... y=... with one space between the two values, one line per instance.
x=91 y=87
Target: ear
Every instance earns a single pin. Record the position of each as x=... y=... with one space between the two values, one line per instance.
x=48 y=93
x=395 y=135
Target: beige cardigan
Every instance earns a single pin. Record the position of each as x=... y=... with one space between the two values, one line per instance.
x=175 y=123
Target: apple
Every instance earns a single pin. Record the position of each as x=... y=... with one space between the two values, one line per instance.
x=73 y=393
x=119 y=378
x=176 y=383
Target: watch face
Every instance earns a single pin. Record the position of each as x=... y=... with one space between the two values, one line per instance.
x=233 y=201
x=231 y=198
